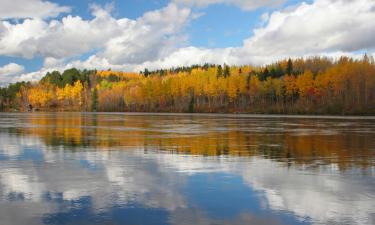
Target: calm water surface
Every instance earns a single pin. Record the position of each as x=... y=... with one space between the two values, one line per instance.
x=72 y=168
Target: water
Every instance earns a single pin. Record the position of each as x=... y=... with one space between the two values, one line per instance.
x=71 y=168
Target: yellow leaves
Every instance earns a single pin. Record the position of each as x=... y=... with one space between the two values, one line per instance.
x=277 y=86
x=267 y=86
x=323 y=84
x=348 y=82
x=236 y=84
x=40 y=96
x=134 y=94
x=305 y=83
x=71 y=95
x=175 y=87
x=254 y=86
x=77 y=92
x=211 y=86
x=290 y=85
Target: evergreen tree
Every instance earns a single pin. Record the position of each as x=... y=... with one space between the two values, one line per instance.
x=289 y=67
x=94 y=100
x=226 y=71
x=219 y=71
x=146 y=72
x=70 y=76
x=53 y=78
x=276 y=71
x=264 y=74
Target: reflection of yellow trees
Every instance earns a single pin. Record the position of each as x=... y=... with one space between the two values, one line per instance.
x=107 y=131
x=58 y=130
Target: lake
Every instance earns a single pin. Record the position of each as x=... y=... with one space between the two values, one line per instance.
x=102 y=168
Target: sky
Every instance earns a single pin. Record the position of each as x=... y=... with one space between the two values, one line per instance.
x=37 y=36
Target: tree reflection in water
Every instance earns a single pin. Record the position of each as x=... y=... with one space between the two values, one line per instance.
x=64 y=168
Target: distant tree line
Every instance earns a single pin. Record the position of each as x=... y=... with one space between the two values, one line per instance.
x=316 y=85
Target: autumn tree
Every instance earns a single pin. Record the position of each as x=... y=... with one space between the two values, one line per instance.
x=302 y=85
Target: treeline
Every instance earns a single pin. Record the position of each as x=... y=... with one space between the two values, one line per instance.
x=8 y=95
x=316 y=85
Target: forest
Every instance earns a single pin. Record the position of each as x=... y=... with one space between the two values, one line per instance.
x=315 y=85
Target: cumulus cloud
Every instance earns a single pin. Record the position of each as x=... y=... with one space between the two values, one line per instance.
x=331 y=28
x=9 y=71
x=153 y=35
x=58 y=39
x=190 y=56
x=120 y=43
x=13 y=37
x=243 y=4
x=18 y=9
x=157 y=39
x=150 y=37
x=323 y=26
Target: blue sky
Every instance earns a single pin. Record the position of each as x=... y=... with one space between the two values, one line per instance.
x=37 y=36
x=220 y=25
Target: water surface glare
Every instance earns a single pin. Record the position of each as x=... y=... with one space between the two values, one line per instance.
x=103 y=168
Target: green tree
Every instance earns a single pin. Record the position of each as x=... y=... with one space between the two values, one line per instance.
x=264 y=74
x=53 y=78
x=8 y=94
x=70 y=76
x=219 y=72
x=146 y=73
x=289 y=67
x=113 y=78
x=94 y=100
x=226 y=71
x=276 y=71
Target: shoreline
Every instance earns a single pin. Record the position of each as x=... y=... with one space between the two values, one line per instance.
x=214 y=114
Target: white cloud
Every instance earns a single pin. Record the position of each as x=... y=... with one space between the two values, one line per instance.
x=157 y=39
x=120 y=43
x=155 y=35
x=331 y=28
x=16 y=9
x=243 y=4
x=157 y=180
x=323 y=26
x=189 y=56
x=14 y=36
x=9 y=71
x=150 y=37
x=50 y=62
x=66 y=38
